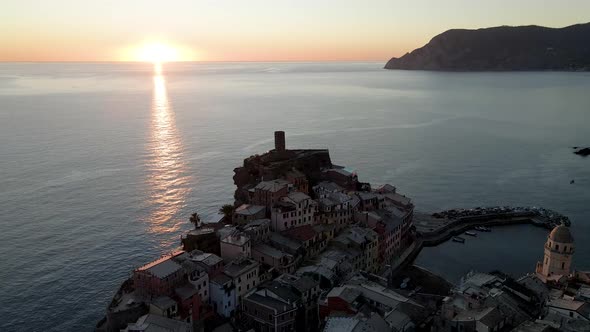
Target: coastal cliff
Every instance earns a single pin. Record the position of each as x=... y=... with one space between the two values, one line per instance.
x=502 y=49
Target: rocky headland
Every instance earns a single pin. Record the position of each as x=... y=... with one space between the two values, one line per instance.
x=504 y=48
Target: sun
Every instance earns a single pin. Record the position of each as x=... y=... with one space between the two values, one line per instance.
x=158 y=53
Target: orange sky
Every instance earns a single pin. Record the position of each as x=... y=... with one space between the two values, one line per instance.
x=256 y=30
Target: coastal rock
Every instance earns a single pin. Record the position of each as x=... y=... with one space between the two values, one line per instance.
x=502 y=49
x=584 y=152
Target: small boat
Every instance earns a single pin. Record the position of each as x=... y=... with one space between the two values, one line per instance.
x=572 y=182
x=482 y=229
x=458 y=239
x=471 y=233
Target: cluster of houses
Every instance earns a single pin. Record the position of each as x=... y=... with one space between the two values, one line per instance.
x=277 y=264
x=309 y=247
x=554 y=298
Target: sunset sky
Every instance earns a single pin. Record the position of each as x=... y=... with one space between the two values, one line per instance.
x=222 y=30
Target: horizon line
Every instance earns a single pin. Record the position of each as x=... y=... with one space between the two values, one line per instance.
x=190 y=61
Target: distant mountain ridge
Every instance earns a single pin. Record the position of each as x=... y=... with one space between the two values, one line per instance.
x=502 y=49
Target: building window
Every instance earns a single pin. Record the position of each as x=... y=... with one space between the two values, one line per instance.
x=557 y=247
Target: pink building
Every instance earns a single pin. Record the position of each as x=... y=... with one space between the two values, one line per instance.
x=294 y=210
x=159 y=277
x=267 y=193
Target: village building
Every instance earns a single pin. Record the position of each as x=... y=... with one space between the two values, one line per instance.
x=271 y=308
x=258 y=230
x=364 y=240
x=202 y=238
x=306 y=235
x=210 y=263
x=159 y=277
x=245 y=213
x=558 y=253
x=267 y=193
x=336 y=208
x=244 y=273
x=235 y=245
x=223 y=295
x=293 y=210
x=343 y=177
x=275 y=258
x=298 y=180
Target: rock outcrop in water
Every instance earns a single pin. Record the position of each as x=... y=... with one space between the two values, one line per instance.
x=502 y=49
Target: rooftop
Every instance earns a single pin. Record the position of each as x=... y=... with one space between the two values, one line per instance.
x=161 y=267
x=303 y=233
x=269 y=302
x=398 y=198
x=201 y=231
x=284 y=242
x=163 y=302
x=273 y=185
x=240 y=266
x=328 y=186
x=335 y=198
x=269 y=251
x=386 y=188
x=296 y=197
x=566 y=304
x=348 y=294
x=221 y=279
x=249 y=210
x=279 y=290
x=257 y=223
x=236 y=239
x=561 y=234
x=185 y=292
x=341 y=324
x=155 y=323
x=206 y=258
x=301 y=283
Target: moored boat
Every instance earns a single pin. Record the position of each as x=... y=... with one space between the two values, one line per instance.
x=471 y=233
x=459 y=239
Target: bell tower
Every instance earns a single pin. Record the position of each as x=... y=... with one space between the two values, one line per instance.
x=558 y=253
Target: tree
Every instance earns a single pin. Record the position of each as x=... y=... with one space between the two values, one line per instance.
x=228 y=211
x=195 y=219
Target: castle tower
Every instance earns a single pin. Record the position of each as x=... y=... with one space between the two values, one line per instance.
x=559 y=250
x=280 y=141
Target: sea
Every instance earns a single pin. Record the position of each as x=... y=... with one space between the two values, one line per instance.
x=101 y=164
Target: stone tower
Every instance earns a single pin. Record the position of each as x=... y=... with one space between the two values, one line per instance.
x=279 y=141
x=559 y=250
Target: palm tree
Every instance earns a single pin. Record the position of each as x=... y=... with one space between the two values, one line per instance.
x=228 y=211
x=195 y=219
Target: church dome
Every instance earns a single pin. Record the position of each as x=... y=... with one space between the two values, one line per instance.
x=561 y=234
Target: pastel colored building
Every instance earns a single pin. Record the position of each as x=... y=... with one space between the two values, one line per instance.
x=223 y=295
x=246 y=213
x=235 y=245
x=267 y=193
x=294 y=210
x=244 y=273
x=159 y=277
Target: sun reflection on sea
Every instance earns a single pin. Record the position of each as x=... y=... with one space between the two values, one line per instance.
x=168 y=175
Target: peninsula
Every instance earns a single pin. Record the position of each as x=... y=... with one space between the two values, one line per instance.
x=502 y=48
x=306 y=246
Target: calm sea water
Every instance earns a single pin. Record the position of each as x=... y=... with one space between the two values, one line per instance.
x=101 y=164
